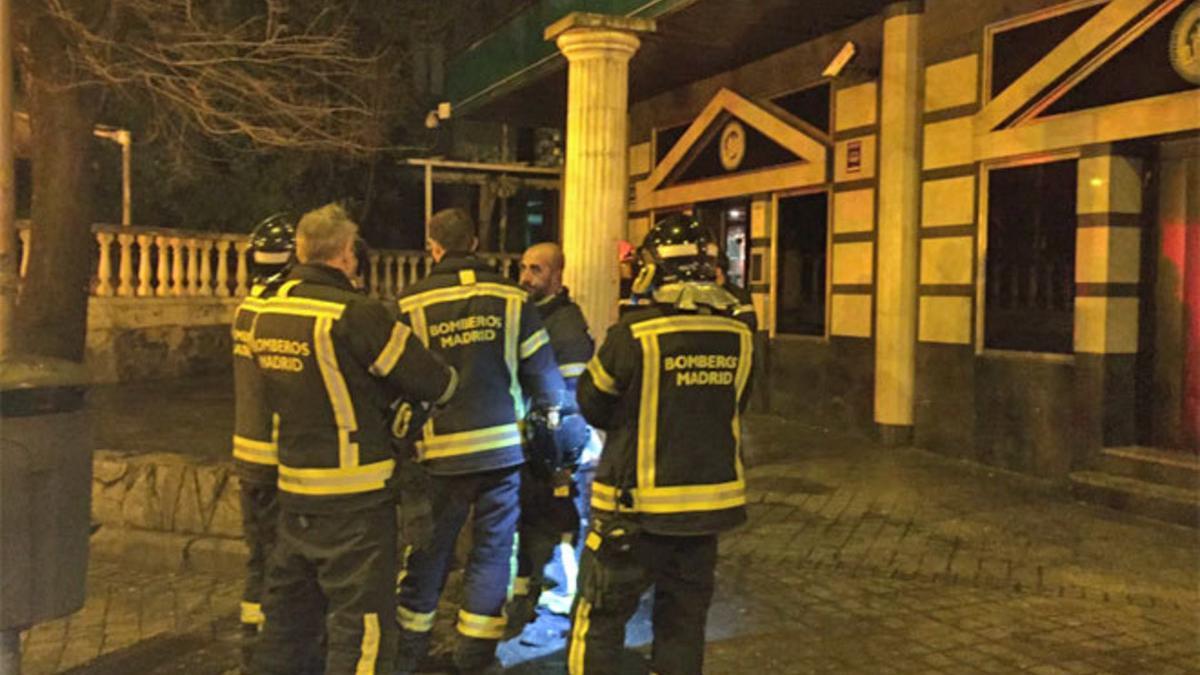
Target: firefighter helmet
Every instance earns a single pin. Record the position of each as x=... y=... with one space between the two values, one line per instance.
x=272 y=246
x=677 y=249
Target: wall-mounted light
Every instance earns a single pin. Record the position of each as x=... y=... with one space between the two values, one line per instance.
x=843 y=57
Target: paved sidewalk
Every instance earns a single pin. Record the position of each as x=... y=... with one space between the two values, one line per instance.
x=857 y=559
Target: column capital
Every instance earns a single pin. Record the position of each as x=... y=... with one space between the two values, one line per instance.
x=619 y=30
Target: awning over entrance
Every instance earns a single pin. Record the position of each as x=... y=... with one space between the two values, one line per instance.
x=515 y=75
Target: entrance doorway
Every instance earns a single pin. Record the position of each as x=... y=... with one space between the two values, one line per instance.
x=729 y=222
x=1169 y=404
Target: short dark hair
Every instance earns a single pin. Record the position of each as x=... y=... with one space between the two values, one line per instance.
x=453 y=230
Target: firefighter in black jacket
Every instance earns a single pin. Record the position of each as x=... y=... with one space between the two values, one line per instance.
x=668 y=385
x=550 y=514
x=332 y=360
x=483 y=325
x=255 y=455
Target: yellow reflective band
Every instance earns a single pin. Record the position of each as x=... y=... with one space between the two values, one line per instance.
x=745 y=362
x=533 y=343
x=337 y=391
x=743 y=309
x=480 y=626
x=303 y=307
x=512 y=328
x=593 y=541
x=417 y=622
x=255 y=452
x=251 y=612
x=521 y=586
x=451 y=387
x=251 y=304
x=466 y=277
x=369 y=649
x=453 y=293
x=342 y=481
x=286 y=288
x=572 y=369
x=684 y=324
x=600 y=377
x=647 y=444
x=392 y=351
x=450 y=445
x=673 y=499
x=562 y=490
x=579 y=630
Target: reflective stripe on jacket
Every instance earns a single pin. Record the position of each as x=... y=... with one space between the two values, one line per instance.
x=255 y=447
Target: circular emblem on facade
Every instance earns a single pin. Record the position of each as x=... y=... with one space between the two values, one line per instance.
x=733 y=145
x=1185 y=44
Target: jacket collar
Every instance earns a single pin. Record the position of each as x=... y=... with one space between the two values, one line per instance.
x=452 y=263
x=552 y=303
x=325 y=275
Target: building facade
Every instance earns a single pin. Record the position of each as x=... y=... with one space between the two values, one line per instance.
x=972 y=226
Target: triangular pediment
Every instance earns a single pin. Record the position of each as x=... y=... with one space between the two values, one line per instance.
x=733 y=135
x=1073 y=75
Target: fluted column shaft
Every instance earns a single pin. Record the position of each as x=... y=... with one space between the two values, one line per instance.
x=595 y=179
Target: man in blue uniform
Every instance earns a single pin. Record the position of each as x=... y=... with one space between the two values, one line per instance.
x=255 y=455
x=668 y=386
x=553 y=481
x=331 y=360
x=485 y=326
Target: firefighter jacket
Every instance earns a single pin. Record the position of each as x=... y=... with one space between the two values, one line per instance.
x=331 y=361
x=482 y=324
x=572 y=346
x=669 y=387
x=255 y=452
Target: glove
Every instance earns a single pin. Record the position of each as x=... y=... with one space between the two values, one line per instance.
x=407 y=419
x=571 y=437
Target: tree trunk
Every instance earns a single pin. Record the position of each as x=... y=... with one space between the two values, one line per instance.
x=52 y=309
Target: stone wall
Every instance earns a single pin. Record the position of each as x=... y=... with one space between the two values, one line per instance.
x=152 y=338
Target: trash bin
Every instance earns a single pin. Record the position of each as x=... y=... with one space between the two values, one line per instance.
x=45 y=492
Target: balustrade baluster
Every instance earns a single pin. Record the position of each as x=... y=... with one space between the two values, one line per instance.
x=177 y=280
x=193 y=265
x=164 y=277
x=373 y=274
x=205 y=287
x=242 y=246
x=388 y=286
x=414 y=273
x=125 y=266
x=23 y=235
x=428 y=265
x=104 y=287
x=143 y=276
x=222 y=268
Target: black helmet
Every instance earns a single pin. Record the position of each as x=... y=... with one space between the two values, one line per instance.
x=676 y=249
x=272 y=246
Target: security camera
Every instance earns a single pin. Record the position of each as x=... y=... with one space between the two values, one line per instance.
x=844 y=56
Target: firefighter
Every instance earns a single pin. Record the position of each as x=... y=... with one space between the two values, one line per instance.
x=332 y=360
x=484 y=325
x=255 y=456
x=550 y=483
x=668 y=386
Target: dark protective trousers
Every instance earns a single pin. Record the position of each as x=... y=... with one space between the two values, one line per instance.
x=546 y=521
x=611 y=581
x=339 y=570
x=494 y=498
x=260 y=511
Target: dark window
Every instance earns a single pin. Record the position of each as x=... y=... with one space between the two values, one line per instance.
x=1016 y=50
x=800 y=263
x=1031 y=258
x=666 y=139
x=810 y=105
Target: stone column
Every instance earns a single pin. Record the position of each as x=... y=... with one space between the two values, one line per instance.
x=899 y=213
x=595 y=180
x=1107 y=276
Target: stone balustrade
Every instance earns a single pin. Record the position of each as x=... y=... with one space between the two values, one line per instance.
x=157 y=263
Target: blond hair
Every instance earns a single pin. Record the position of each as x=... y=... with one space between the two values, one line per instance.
x=323 y=234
